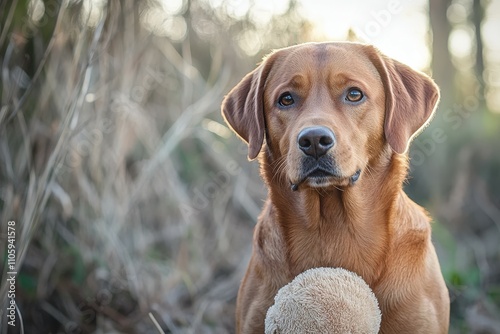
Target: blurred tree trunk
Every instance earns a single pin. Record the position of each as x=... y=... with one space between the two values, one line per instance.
x=443 y=70
x=477 y=19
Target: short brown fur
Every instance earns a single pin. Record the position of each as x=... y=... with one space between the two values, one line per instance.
x=366 y=225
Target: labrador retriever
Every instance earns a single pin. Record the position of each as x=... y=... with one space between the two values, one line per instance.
x=330 y=124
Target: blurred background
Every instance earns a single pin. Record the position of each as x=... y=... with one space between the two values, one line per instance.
x=134 y=203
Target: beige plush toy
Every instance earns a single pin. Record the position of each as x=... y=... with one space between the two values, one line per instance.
x=324 y=300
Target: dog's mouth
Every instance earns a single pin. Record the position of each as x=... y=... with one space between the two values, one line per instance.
x=319 y=173
x=320 y=178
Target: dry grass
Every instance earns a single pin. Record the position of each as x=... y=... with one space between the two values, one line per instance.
x=115 y=172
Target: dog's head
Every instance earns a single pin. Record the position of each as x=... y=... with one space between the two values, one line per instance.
x=327 y=109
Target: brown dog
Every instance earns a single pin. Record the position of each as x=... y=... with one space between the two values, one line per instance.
x=332 y=123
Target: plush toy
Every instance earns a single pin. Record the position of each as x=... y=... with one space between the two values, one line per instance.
x=324 y=300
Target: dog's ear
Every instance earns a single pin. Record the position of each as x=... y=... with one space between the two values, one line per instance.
x=411 y=98
x=243 y=108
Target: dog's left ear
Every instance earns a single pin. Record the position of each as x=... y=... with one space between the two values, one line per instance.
x=243 y=108
x=411 y=99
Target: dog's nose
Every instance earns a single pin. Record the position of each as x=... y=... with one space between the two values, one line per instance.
x=316 y=141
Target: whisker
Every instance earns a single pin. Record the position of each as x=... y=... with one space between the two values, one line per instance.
x=367 y=168
x=339 y=189
x=278 y=167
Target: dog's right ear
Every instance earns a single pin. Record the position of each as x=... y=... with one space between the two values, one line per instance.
x=243 y=108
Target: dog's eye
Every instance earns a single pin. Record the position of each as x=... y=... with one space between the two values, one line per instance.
x=354 y=95
x=286 y=100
